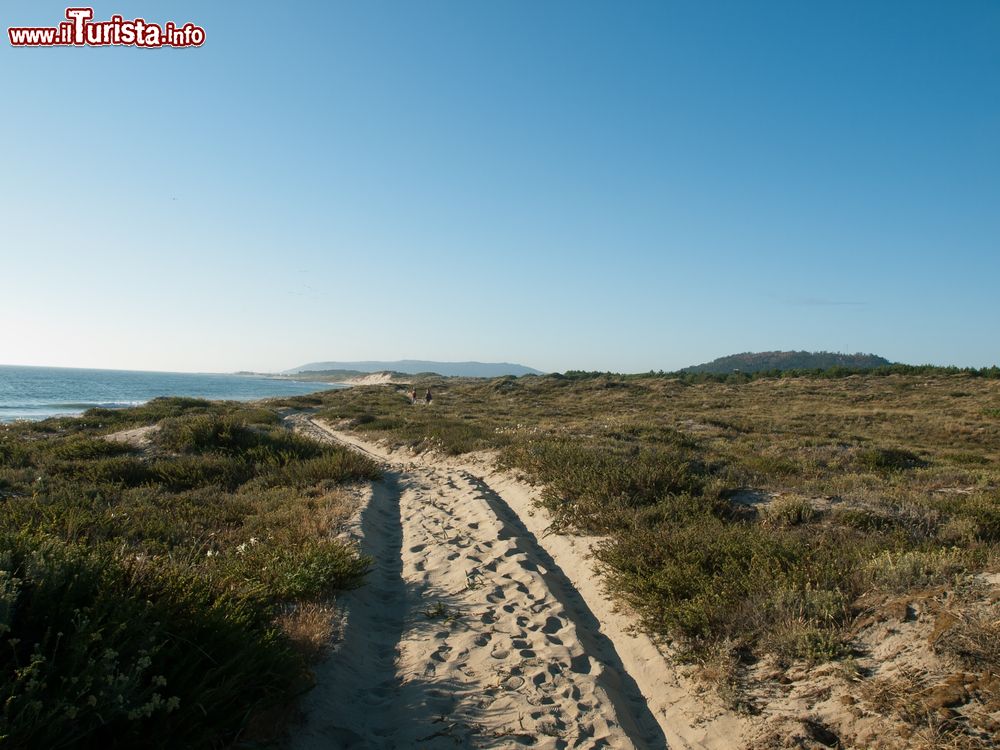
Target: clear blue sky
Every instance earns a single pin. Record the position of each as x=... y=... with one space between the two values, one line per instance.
x=593 y=185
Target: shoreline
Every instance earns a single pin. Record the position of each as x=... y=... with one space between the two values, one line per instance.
x=33 y=394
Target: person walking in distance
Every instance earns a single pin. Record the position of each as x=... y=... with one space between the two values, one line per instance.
x=413 y=396
x=428 y=397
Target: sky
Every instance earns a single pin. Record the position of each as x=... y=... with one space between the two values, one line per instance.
x=567 y=185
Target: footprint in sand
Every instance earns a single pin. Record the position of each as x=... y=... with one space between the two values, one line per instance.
x=580 y=664
x=552 y=625
x=442 y=653
x=513 y=682
x=468 y=682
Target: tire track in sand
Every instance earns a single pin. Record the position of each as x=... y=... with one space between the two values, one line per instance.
x=466 y=634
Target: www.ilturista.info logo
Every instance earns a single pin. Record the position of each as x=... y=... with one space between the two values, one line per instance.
x=80 y=30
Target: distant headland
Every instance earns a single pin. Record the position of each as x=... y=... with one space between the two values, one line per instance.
x=766 y=361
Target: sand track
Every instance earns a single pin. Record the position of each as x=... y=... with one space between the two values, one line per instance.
x=467 y=632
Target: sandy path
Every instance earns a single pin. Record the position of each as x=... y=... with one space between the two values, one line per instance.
x=469 y=634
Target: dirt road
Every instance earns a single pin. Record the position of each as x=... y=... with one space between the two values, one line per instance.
x=468 y=633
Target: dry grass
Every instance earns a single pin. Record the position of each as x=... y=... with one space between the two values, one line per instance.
x=325 y=512
x=896 y=694
x=974 y=640
x=927 y=708
x=309 y=627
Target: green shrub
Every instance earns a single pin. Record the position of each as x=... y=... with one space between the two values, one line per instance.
x=980 y=510
x=905 y=570
x=763 y=467
x=129 y=616
x=84 y=448
x=801 y=639
x=453 y=437
x=864 y=519
x=689 y=580
x=95 y=654
x=382 y=423
x=187 y=472
x=339 y=465
x=587 y=487
x=310 y=570
x=126 y=470
x=14 y=453
x=709 y=581
x=206 y=433
x=886 y=460
x=790 y=510
x=149 y=413
x=966 y=459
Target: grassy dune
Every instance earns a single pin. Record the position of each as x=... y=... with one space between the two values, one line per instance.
x=162 y=591
x=168 y=586
x=747 y=520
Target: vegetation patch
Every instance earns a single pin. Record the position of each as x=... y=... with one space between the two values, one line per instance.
x=166 y=596
x=853 y=461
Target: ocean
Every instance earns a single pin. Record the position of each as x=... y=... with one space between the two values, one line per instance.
x=40 y=392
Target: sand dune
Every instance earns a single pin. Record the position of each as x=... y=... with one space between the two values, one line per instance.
x=375 y=378
x=475 y=629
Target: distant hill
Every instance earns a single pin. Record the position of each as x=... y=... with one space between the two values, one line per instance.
x=416 y=366
x=763 y=361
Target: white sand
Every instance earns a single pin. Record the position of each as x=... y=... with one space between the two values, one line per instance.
x=477 y=629
x=137 y=437
x=375 y=378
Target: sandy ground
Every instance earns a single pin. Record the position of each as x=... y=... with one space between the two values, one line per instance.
x=477 y=629
x=137 y=437
x=375 y=378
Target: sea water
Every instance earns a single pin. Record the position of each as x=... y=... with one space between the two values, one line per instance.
x=40 y=392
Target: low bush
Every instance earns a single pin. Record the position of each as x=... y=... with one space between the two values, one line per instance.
x=99 y=654
x=887 y=460
x=140 y=587
x=790 y=511
x=883 y=481
x=910 y=569
x=589 y=487
x=978 y=511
